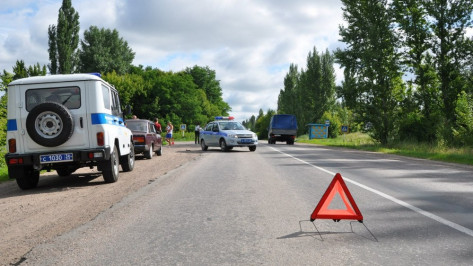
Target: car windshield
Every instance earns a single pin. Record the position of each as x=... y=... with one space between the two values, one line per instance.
x=136 y=126
x=231 y=126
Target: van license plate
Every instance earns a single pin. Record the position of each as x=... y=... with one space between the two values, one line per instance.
x=56 y=158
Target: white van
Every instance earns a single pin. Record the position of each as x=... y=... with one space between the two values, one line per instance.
x=63 y=123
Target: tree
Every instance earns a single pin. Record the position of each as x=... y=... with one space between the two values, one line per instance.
x=449 y=18
x=262 y=123
x=104 y=51
x=64 y=40
x=205 y=79
x=463 y=130
x=287 y=100
x=421 y=121
x=372 y=62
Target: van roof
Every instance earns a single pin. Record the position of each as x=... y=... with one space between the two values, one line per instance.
x=55 y=78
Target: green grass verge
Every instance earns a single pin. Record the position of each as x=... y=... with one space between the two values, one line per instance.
x=364 y=142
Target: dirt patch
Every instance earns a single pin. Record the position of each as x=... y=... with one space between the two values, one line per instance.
x=59 y=204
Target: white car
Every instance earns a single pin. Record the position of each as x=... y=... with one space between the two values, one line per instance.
x=63 y=123
x=226 y=134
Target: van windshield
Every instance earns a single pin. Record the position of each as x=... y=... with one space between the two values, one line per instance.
x=69 y=97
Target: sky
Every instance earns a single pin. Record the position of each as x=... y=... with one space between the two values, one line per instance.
x=249 y=43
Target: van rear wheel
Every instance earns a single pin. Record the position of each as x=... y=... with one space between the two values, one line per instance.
x=149 y=153
x=26 y=177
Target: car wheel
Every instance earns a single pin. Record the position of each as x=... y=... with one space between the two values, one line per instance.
x=26 y=177
x=149 y=153
x=50 y=124
x=252 y=148
x=110 y=167
x=223 y=145
x=128 y=161
x=203 y=146
x=160 y=151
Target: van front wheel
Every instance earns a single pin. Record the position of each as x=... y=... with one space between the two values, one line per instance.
x=110 y=167
x=128 y=161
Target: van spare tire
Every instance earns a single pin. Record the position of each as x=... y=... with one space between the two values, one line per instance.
x=50 y=124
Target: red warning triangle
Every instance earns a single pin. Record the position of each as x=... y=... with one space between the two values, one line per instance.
x=350 y=213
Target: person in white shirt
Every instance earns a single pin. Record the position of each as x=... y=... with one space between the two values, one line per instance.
x=169 y=129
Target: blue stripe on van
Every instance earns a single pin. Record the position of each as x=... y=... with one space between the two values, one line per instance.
x=101 y=118
x=11 y=125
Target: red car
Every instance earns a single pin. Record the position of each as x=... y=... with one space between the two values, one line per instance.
x=147 y=141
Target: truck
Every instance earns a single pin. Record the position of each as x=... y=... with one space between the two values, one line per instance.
x=282 y=127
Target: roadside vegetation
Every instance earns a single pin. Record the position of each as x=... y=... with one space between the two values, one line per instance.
x=362 y=141
x=407 y=87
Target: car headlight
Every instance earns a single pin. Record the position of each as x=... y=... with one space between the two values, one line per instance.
x=255 y=136
x=233 y=136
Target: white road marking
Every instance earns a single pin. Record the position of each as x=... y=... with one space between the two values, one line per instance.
x=391 y=198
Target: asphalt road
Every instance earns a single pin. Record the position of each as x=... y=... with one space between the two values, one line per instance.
x=244 y=208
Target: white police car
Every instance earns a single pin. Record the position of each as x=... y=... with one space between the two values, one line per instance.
x=226 y=134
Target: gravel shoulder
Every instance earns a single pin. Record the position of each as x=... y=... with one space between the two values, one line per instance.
x=59 y=204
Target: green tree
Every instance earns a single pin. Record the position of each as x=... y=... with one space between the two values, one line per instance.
x=463 y=130
x=262 y=123
x=205 y=79
x=103 y=50
x=449 y=19
x=129 y=86
x=64 y=40
x=421 y=120
x=250 y=123
x=288 y=99
x=373 y=63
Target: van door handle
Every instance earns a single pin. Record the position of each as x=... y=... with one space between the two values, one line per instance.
x=81 y=123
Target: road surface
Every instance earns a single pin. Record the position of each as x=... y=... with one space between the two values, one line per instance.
x=245 y=208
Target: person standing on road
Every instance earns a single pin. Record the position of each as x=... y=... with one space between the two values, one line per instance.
x=169 y=129
x=157 y=125
x=197 y=134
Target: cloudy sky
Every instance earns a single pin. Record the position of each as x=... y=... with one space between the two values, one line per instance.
x=249 y=43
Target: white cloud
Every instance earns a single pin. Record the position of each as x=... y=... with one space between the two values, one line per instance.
x=249 y=44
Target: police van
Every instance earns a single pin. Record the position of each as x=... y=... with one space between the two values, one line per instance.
x=226 y=134
x=63 y=123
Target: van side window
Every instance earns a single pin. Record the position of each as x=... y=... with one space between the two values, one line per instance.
x=106 y=97
x=116 y=110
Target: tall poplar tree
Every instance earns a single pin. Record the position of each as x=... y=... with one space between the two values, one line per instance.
x=450 y=18
x=415 y=43
x=64 y=40
x=288 y=99
x=373 y=63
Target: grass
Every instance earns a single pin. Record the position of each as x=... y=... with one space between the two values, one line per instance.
x=364 y=142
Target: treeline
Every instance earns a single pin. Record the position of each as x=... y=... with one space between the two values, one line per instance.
x=308 y=93
x=407 y=73
x=191 y=96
